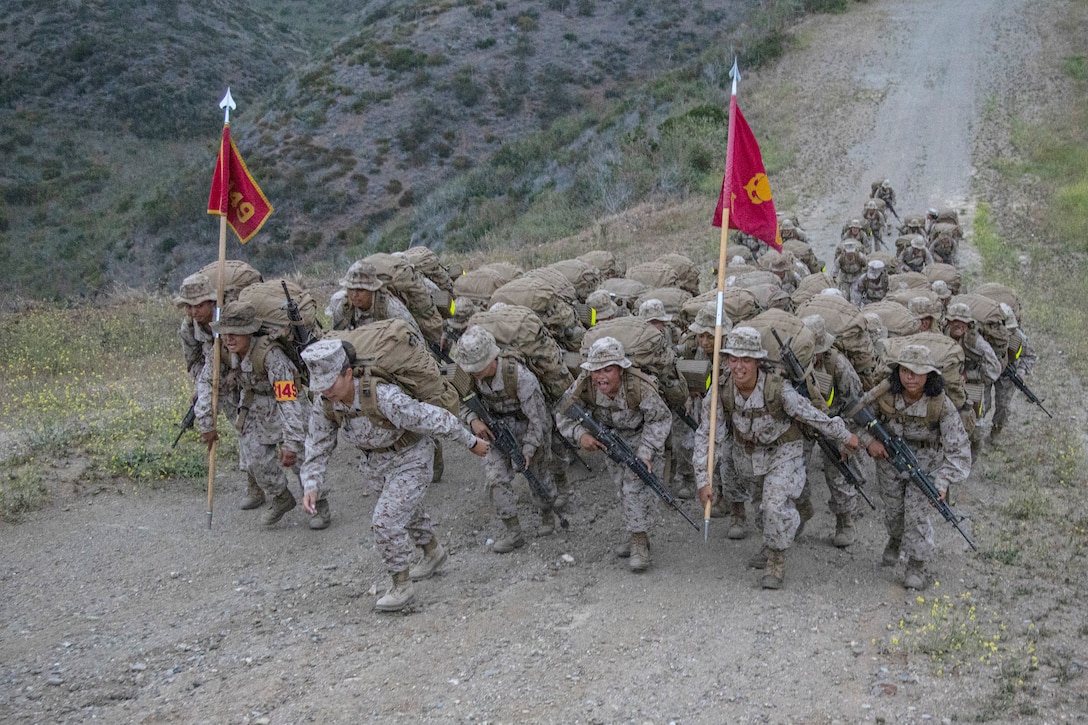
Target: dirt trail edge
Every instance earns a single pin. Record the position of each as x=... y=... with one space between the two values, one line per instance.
x=121 y=607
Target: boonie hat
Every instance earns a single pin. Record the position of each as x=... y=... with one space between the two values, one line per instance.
x=916 y=358
x=959 y=311
x=1010 y=317
x=361 y=275
x=237 y=318
x=601 y=301
x=918 y=243
x=475 y=350
x=604 y=352
x=744 y=342
x=195 y=288
x=707 y=319
x=922 y=307
x=780 y=262
x=654 y=310
x=824 y=339
x=850 y=245
x=941 y=288
x=875 y=268
x=463 y=308
x=324 y=359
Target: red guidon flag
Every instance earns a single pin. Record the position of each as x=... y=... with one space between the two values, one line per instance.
x=745 y=184
x=235 y=194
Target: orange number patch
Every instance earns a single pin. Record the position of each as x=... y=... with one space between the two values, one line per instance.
x=285 y=390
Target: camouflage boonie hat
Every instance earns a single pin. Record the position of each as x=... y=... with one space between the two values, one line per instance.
x=475 y=350
x=959 y=312
x=361 y=275
x=832 y=292
x=786 y=226
x=744 y=342
x=923 y=307
x=736 y=261
x=918 y=243
x=463 y=308
x=850 y=245
x=707 y=319
x=824 y=339
x=654 y=310
x=237 y=318
x=601 y=301
x=941 y=288
x=875 y=268
x=604 y=352
x=916 y=358
x=1011 y=322
x=195 y=288
x=780 y=262
x=324 y=359
x=854 y=224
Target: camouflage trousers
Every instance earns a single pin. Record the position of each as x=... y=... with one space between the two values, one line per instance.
x=500 y=474
x=1003 y=394
x=844 y=497
x=681 y=445
x=636 y=498
x=776 y=490
x=399 y=522
x=906 y=512
x=262 y=461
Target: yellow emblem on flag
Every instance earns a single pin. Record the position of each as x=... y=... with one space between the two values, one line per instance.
x=285 y=390
x=759 y=189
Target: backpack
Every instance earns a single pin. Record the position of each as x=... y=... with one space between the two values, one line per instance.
x=999 y=293
x=790 y=328
x=427 y=263
x=686 y=272
x=608 y=266
x=648 y=349
x=391 y=351
x=519 y=331
x=847 y=323
x=895 y=317
x=624 y=291
x=276 y=329
x=904 y=296
x=811 y=286
x=948 y=355
x=479 y=284
x=237 y=275
x=803 y=252
x=673 y=298
x=584 y=276
x=737 y=304
x=541 y=296
x=563 y=286
x=891 y=261
x=907 y=280
x=400 y=278
x=946 y=273
x=771 y=297
x=654 y=274
x=749 y=280
x=990 y=320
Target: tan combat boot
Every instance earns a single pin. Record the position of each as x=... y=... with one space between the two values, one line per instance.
x=759 y=559
x=254 y=495
x=281 y=504
x=776 y=569
x=844 y=530
x=640 y=552
x=398 y=596
x=738 y=521
x=434 y=556
x=321 y=517
x=890 y=557
x=512 y=539
x=914 y=577
x=547 y=523
x=804 y=508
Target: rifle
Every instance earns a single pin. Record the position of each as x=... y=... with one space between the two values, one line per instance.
x=437 y=350
x=796 y=373
x=301 y=335
x=892 y=210
x=903 y=460
x=186 y=423
x=1014 y=377
x=508 y=444
x=571 y=448
x=688 y=420
x=620 y=452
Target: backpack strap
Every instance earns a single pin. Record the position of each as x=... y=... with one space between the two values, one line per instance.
x=368 y=406
x=886 y=405
x=772 y=403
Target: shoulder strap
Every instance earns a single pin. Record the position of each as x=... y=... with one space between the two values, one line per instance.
x=634 y=379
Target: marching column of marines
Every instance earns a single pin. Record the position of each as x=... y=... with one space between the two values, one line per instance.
x=897 y=360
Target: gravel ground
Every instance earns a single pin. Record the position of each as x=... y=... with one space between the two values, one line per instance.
x=121 y=606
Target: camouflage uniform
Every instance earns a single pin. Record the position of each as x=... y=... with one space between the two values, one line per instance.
x=848 y=265
x=871 y=286
x=1023 y=357
x=644 y=427
x=916 y=257
x=942 y=449
x=874 y=221
x=198 y=346
x=981 y=364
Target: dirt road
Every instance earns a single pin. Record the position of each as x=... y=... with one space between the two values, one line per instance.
x=122 y=607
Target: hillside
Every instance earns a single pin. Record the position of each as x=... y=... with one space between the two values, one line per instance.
x=350 y=116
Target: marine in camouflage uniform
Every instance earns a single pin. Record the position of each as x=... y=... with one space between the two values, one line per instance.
x=845 y=385
x=871 y=286
x=783 y=267
x=678 y=446
x=272 y=412
x=513 y=396
x=367 y=301
x=765 y=415
x=915 y=257
x=874 y=221
x=1022 y=356
x=197 y=297
x=729 y=494
x=455 y=325
x=981 y=365
x=930 y=313
x=398 y=454
x=626 y=402
x=848 y=265
x=914 y=407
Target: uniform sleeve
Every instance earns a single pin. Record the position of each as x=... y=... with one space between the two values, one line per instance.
x=1028 y=357
x=292 y=413
x=656 y=423
x=531 y=400
x=203 y=405
x=955 y=464
x=321 y=437
x=803 y=411
x=701 y=449
x=991 y=367
x=404 y=411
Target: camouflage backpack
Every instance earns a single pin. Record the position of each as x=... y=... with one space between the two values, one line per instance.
x=479 y=284
x=648 y=349
x=584 y=276
x=518 y=331
x=427 y=263
x=686 y=271
x=608 y=266
x=270 y=302
x=847 y=323
x=237 y=275
x=400 y=278
x=895 y=316
x=654 y=274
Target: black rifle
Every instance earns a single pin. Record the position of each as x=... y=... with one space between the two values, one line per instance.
x=437 y=350
x=1014 y=377
x=688 y=420
x=301 y=335
x=892 y=210
x=796 y=373
x=186 y=423
x=571 y=448
x=620 y=452
x=903 y=460
x=508 y=444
